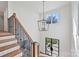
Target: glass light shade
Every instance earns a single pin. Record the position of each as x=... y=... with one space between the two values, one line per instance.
x=42 y=25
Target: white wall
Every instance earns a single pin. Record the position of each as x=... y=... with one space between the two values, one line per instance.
x=61 y=30
x=75 y=41
x=3 y=13
x=25 y=12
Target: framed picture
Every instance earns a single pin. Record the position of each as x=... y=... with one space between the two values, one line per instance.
x=52 y=46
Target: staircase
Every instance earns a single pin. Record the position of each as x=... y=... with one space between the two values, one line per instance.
x=17 y=42
x=9 y=46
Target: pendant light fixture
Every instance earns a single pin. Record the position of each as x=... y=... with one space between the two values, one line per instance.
x=42 y=24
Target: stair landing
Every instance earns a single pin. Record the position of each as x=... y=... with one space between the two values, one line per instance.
x=4 y=34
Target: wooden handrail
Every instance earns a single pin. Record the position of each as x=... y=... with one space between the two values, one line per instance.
x=24 y=34
x=16 y=19
x=23 y=27
x=23 y=38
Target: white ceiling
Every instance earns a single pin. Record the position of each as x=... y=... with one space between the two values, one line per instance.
x=34 y=6
x=3 y=6
x=50 y=5
x=55 y=4
x=37 y=6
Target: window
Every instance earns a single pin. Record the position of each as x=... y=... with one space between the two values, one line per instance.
x=52 y=17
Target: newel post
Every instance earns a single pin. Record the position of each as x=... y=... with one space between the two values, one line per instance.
x=35 y=49
x=14 y=22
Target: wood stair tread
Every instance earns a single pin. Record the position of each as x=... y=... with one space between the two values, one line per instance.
x=5 y=34
x=12 y=54
x=7 y=40
x=7 y=47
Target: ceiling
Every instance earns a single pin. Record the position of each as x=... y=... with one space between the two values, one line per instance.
x=37 y=6
x=55 y=4
x=3 y=6
x=34 y=6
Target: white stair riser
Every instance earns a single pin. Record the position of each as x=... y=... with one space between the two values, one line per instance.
x=9 y=50
x=8 y=43
x=19 y=55
x=7 y=37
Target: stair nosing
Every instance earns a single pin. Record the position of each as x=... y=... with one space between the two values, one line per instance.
x=13 y=53
x=9 y=50
x=8 y=46
x=7 y=40
x=8 y=43
x=7 y=37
